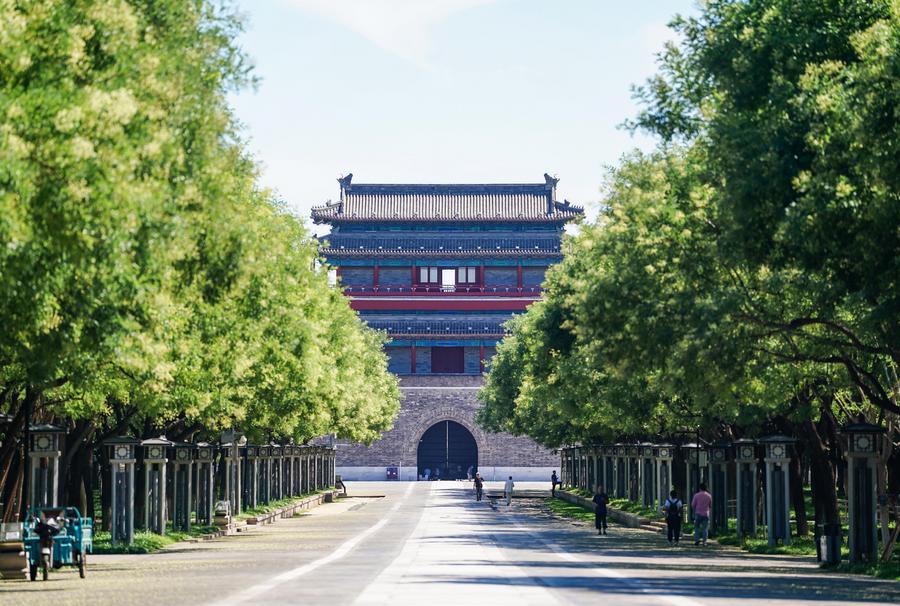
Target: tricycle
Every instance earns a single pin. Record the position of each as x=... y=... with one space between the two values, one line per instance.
x=56 y=537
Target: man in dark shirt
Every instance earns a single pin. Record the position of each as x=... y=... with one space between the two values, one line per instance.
x=600 y=503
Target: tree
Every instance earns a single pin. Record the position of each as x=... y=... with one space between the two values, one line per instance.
x=147 y=284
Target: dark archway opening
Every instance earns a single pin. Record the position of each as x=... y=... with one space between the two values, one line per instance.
x=447 y=451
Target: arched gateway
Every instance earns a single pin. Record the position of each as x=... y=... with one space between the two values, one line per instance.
x=447 y=450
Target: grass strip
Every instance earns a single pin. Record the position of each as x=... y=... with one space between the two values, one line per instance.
x=147 y=542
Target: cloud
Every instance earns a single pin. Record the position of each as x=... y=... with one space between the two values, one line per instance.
x=401 y=27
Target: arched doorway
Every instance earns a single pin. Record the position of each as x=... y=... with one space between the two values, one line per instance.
x=446 y=451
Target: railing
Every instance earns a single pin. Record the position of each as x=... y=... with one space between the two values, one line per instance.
x=456 y=290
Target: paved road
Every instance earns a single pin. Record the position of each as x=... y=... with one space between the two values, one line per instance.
x=430 y=543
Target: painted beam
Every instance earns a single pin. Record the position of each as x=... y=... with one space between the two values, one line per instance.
x=509 y=304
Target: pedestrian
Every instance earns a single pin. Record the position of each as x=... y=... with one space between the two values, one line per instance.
x=700 y=505
x=469 y=472
x=673 y=508
x=600 y=503
x=479 y=487
x=554 y=480
x=507 y=490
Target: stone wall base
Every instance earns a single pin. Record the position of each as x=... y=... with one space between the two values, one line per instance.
x=490 y=474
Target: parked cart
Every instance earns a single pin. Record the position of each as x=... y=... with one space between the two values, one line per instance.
x=56 y=537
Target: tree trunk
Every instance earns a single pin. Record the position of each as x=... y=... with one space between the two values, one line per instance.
x=797 y=501
x=822 y=475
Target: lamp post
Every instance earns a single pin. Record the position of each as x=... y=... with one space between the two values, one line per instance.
x=204 y=456
x=778 y=488
x=122 y=454
x=182 y=474
x=664 y=454
x=718 y=487
x=155 y=452
x=863 y=444
x=648 y=475
x=745 y=480
x=43 y=453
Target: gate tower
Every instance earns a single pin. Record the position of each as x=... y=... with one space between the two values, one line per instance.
x=441 y=268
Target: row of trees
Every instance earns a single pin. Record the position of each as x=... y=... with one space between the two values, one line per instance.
x=147 y=283
x=743 y=277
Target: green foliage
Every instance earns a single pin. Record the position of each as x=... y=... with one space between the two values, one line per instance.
x=743 y=276
x=147 y=283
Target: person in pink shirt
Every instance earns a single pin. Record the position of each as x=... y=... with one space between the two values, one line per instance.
x=700 y=505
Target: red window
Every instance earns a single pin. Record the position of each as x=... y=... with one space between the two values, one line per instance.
x=447 y=360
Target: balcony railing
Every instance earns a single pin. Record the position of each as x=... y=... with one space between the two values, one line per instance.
x=509 y=291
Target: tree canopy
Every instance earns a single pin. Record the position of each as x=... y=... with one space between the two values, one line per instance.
x=743 y=276
x=147 y=283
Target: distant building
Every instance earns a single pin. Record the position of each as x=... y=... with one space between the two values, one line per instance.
x=441 y=268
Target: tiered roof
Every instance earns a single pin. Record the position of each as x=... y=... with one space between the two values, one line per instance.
x=518 y=202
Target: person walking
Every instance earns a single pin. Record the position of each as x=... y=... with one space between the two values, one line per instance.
x=479 y=487
x=600 y=511
x=673 y=508
x=507 y=490
x=554 y=480
x=700 y=505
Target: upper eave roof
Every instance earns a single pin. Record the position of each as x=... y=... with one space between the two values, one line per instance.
x=506 y=202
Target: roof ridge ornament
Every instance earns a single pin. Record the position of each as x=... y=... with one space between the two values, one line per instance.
x=345 y=182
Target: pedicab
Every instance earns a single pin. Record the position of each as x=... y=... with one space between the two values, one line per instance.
x=57 y=537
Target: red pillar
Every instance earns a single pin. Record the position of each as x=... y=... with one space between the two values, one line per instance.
x=481 y=357
x=375 y=277
x=412 y=359
x=481 y=277
x=519 y=277
x=412 y=278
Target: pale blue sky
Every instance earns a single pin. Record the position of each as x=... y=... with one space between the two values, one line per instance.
x=435 y=91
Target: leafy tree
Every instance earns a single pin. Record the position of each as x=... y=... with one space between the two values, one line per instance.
x=147 y=284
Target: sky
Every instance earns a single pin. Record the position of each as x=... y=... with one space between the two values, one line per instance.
x=445 y=91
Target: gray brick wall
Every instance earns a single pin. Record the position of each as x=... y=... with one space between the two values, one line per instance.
x=357 y=276
x=533 y=276
x=423 y=360
x=399 y=359
x=472 y=360
x=500 y=276
x=429 y=400
x=394 y=276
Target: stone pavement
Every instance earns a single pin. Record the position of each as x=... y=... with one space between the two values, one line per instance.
x=431 y=543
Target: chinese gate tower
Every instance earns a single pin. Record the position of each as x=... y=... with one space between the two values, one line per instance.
x=441 y=268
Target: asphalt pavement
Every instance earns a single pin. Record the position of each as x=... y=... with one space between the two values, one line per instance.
x=432 y=543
